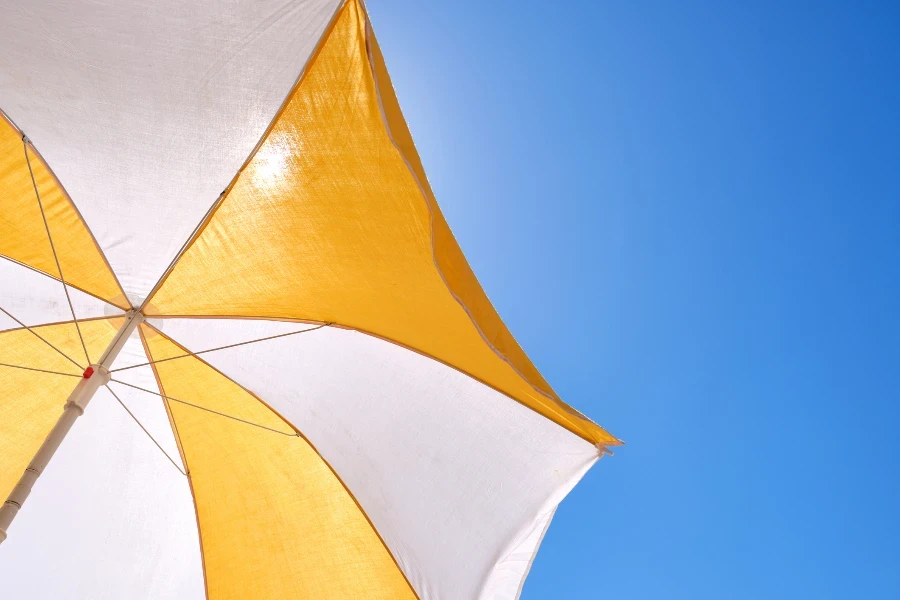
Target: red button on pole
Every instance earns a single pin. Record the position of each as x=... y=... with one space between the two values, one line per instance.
x=88 y=372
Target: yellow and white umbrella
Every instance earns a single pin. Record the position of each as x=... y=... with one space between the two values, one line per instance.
x=215 y=228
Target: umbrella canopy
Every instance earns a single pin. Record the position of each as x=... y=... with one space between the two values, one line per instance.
x=214 y=222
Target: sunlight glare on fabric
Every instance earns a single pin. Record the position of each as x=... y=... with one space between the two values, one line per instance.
x=270 y=162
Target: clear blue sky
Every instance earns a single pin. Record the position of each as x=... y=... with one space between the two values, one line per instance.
x=687 y=213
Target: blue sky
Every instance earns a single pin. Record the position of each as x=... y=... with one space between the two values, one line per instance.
x=687 y=214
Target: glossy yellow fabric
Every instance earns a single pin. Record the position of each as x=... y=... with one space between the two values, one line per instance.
x=23 y=236
x=275 y=522
x=328 y=222
x=31 y=402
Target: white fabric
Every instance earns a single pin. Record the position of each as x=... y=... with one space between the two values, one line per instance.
x=36 y=299
x=110 y=517
x=508 y=577
x=456 y=477
x=146 y=110
x=145 y=406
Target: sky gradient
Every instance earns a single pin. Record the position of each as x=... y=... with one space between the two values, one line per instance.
x=687 y=214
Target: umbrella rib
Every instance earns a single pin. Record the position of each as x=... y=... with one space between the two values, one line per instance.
x=53 y=248
x=39 y=370
x=38 y=336
x=131 y=414
x=215 y=412
x=271 y=337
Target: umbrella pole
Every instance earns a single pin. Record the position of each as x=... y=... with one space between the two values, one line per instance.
x=94 y=377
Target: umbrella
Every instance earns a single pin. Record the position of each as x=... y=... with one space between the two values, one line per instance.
x=292 y=384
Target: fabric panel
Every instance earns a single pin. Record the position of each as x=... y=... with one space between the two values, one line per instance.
x=327 y=223
x=275 y=522
x=454 y=475
x=110 y=517
x=23 y=235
